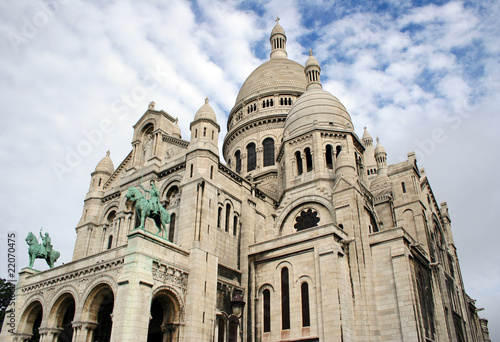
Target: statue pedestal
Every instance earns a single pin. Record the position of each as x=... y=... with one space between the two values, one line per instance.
x=25 y=273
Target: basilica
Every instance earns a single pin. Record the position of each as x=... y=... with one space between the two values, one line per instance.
x=296 y=229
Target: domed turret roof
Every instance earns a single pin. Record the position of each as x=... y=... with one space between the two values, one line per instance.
x=366 y=135
x=177 y=130
x=379 y=148
x=318 y=108
x=205 y=112
x=312 y=61
x=105 y=165
x=274 y=76
x=277 y=29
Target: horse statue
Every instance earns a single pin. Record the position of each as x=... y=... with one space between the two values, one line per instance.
x=39 y=251
x=145 y=209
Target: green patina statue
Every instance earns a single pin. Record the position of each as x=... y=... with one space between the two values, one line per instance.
x=149 y=207
x=41 y=251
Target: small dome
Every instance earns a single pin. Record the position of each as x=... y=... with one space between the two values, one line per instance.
x=105 y=165
x=317 y=108
x=379 y=148
x=277 y=29
x=205 y=112
x=312 y=61
x=177 y=130
x=366 y=135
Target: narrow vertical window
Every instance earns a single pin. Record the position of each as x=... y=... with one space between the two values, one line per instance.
x=171 y=231
x=204 y=131
x=219 y=217
x=306 y=318
x=268 y=146
x=285 y=299
x=235 y=225
x=298 y=159
x=228 y=213
x=221 y=330
x=110 y=241
x=403 y=187
x=196 y=133
x=329 y=156
x=251 y=157
x=211 y=172
x=309 y=161
x=191 y=172
x=267 y=310
x=237 y=156
x=338 y=149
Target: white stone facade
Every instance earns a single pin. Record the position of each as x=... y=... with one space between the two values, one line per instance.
x=306 y=224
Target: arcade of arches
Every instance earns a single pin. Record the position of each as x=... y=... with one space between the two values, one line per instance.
x=92 y=321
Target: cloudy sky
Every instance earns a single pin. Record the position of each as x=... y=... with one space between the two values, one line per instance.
x=422 y=75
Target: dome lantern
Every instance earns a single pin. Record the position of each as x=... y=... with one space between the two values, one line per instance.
x=278 y=41
x=313 y=71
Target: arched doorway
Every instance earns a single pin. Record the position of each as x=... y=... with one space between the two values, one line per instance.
x=61 y=316
x=98 y=309
x=31 y=321
x=165 y=317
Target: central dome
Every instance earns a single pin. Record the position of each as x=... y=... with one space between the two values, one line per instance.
x=274 y=76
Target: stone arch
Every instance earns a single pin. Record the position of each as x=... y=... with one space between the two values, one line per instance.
x=322 y=205
x=31 y=319
x=167 y=315
x=410 y=225
x=98 y=309
x=62 y=314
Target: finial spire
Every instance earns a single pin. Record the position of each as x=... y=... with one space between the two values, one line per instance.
x=310 y=52
x=206 y=100
x=108 y=153
x=277 y=20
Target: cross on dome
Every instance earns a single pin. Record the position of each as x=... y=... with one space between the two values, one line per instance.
x=277 y=20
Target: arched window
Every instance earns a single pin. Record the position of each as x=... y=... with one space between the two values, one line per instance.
x=298 y=159
x=221 y=330
x=235 y=225
x=309 y=161
x=306 y=318
x=219 y=217
x=281 y=101
x=267 y=310
x=329 y=156
x=251 y=157
x=204 y=131
x=338 y=149
x=172 y=228
x=237 y=156
x=285 y=299
x=228 y=215
x=268 y=146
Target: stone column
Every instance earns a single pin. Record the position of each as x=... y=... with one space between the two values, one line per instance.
x=83 y=331
x=49 y=334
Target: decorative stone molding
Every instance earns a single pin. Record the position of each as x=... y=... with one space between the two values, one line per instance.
x=88 y=271
x=168 y=274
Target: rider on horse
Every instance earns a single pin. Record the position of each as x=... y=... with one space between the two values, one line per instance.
x=155 y=196
x=46 y=242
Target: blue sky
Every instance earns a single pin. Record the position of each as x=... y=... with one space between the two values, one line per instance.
x=423 y=76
